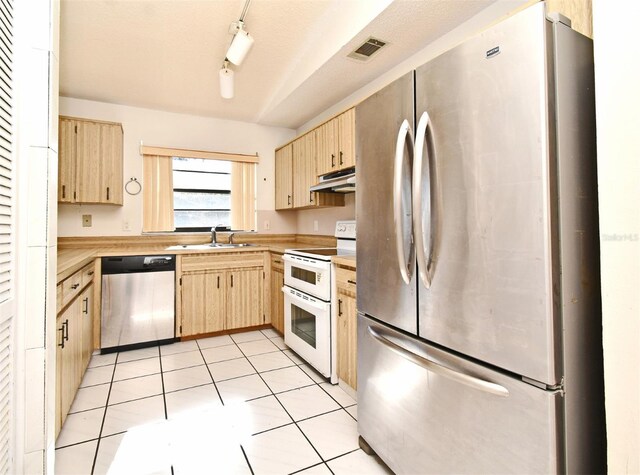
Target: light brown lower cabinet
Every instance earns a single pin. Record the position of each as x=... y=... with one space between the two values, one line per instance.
x=347 y=327
x=220 y=297
x=68 y=351
x=74 y=339
x=277 y=297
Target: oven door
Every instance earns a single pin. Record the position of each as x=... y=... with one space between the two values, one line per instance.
x=308 y=275
x=307 y=328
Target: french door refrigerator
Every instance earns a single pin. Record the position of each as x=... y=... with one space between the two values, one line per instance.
x=479 y=327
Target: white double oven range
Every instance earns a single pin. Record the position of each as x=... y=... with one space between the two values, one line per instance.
x=310 y=300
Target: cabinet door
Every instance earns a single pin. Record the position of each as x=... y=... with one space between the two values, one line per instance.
x=284 y=177
x=110 y=163
x=203 y=303
x=347 y=338
x=304 y=171
x=68 y=353
x=244 y=305
x=327 y=147
x=86 y=316
x=66 y=161
x=88 y=162
x=59 y=373
x=347 y=143
x=277 y=299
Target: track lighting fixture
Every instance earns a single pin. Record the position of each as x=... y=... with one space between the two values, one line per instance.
x=238 y=49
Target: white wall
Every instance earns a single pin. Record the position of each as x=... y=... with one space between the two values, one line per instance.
x=36 y=169
x=166 y=129
x=618 y=121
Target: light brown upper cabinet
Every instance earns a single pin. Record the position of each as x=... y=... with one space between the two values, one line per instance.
x=89 y=161
x=296 y=172
x=336 y=143
x=284 y=177
x=304 y=170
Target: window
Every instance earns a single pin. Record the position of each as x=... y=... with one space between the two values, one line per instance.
x=190 y=190
x=201 y=193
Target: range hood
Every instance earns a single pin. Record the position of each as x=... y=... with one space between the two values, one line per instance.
x=343 y=181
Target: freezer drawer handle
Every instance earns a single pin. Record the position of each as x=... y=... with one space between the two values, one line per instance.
x=476 y=383
x=423 y=228
x=405 y=266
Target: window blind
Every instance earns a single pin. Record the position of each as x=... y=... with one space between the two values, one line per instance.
x=7 y=262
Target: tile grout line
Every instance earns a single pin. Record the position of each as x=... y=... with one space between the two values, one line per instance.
x=164 y=396
x=206 y=365
x=104 y=415
x=247 y=460
x=288 y=414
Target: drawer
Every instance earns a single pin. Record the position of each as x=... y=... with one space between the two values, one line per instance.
x=71 y=287
x=346 y=279
x=203 y=262
x=88 y=273
x=276 y=262
x=58 y=297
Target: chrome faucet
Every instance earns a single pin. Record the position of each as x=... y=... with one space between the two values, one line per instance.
x=214 y=235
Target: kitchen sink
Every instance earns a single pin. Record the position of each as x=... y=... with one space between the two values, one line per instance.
x=197 y=247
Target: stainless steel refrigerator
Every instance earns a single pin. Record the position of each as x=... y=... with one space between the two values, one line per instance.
x=479 y=326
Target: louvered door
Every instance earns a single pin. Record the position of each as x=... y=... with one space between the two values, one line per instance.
x=7 y=263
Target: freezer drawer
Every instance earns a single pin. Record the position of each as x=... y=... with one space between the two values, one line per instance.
x=457 y=417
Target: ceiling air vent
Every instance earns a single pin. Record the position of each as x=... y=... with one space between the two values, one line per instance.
x=367 y=49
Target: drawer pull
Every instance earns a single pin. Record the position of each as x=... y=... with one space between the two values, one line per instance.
x=85 y=310
x=107 y=193
x=90 y=273
x=351 y=282
x=75 y=286
x=61 y=330
x=231 y=280
x=65 y=330
x=341 y=162
x=277 y=262
x=339 y=307
x=333 y=162
x=218 y=281
x=64 y=194
x=288 y=199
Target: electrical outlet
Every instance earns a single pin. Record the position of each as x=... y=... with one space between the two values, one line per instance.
x=315 y=225
x=86 y=220
x=267 y=225
x=126 y=226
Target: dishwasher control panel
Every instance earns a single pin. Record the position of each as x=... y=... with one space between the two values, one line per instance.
x=135 y=264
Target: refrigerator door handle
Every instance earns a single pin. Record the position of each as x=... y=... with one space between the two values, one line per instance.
x=405 y=137
x=424 y=255
x=471 y=381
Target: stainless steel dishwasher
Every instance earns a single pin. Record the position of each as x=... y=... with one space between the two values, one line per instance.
x=138 y=302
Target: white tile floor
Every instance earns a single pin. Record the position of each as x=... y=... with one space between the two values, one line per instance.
x=242 y=404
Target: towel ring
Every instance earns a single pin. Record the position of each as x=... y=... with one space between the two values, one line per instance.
x=132 y=183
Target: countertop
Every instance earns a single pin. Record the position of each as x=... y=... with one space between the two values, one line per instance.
x=347 y=261
x=71 y=260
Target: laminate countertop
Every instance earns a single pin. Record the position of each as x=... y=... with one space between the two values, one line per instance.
x=71 y=259
x=347 y=261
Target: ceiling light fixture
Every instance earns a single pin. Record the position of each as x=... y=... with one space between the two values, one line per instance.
x=238 y=49
x=240 y=45
x=226 y=81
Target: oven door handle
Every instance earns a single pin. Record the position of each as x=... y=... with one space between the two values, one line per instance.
x=315 y=303
x=322 y=265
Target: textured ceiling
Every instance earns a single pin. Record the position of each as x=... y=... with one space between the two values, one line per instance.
x=165 y=54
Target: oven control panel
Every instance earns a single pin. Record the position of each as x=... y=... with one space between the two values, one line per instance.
x=346 y=229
